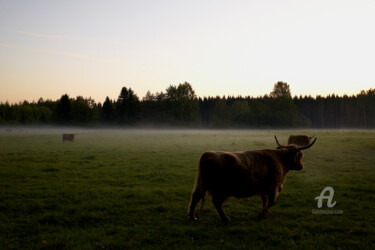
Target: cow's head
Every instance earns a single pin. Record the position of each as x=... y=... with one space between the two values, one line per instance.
x=294 y=154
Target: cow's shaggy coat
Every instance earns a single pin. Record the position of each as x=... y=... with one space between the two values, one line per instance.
x=244 y=174
x=68 y=137
x=300 y=140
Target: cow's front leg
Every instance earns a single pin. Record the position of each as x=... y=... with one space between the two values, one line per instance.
x=264 y=200
x=272 y=196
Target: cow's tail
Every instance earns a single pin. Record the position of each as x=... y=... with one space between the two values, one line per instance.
x=202 y=203
x=197 y=195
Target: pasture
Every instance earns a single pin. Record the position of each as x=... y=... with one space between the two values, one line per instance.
x=131 y=189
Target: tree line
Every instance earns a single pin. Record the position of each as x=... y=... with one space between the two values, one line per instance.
x=178 y=106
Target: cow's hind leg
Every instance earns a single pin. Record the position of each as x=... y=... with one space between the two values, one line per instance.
x=196 y=196
x=218 y=203
x=265 y=204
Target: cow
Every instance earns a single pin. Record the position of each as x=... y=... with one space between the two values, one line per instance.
x=244 y=174
x=300 y=140
x=68 y=137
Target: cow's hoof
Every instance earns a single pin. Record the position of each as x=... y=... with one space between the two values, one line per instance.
x=226 y=219
x=193 y=218
x=261 y=215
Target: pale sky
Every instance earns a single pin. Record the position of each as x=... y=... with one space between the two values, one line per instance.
x=94 y=48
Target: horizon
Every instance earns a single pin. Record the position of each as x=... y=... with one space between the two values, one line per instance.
x=93 y=49
x=202 y=97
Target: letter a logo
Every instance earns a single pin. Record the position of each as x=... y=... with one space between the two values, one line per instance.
x=328 y=197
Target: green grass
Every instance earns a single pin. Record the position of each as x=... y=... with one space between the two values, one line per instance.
x=131 y=188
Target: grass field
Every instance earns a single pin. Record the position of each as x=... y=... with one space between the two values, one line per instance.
x=131 y=189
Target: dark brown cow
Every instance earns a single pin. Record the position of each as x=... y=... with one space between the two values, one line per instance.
x=300 y=140
x=68 y=137
x=244 y=174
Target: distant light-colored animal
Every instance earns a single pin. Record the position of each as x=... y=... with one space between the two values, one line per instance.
x=68 y=137
x=244 y=174
x=300 y=140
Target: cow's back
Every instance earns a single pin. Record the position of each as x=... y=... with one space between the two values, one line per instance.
x=234 y=174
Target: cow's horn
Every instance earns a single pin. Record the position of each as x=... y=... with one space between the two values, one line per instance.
x=306 y=147
x=277 y=141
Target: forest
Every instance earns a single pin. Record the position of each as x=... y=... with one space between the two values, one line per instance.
x=179 y=106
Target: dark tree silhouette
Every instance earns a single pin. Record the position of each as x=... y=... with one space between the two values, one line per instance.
x=64 y=109
x=83 y=110
x=179 y=106
x=127 y=106
x=281 y=90
x=183 y=103
x=108 y=110
x=282 y=108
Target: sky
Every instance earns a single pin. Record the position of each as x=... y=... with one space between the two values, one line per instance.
x=94 y=48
